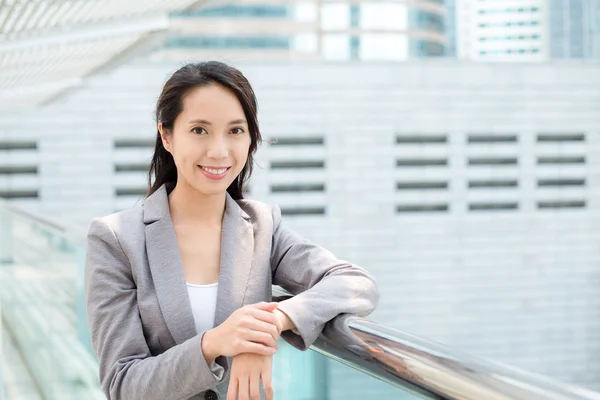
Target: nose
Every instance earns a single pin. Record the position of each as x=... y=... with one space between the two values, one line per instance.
x=217 y=148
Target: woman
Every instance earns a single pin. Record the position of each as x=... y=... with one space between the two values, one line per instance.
x=178 y=289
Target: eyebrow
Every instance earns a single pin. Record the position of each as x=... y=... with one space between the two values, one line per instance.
x=205 y=122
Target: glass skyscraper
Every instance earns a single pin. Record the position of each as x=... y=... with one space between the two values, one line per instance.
x=397 y=30
x=574 y=27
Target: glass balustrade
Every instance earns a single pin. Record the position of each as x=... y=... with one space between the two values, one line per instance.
x=45 y=336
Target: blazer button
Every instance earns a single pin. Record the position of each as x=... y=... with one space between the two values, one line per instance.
x=210 y=395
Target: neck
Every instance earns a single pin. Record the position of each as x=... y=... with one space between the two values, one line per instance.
x=186 y=204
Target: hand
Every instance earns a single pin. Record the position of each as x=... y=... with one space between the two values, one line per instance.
x=284 y=322
x=247 y=370
x=250 y=329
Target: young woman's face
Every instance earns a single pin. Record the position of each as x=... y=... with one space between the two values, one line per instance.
x=210 y=139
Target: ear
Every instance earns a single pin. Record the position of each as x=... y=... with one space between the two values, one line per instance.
x=166 y=137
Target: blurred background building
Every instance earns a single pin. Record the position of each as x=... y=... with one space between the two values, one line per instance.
x=467 y=187
x=522 y=30
x=313 y=30
x=574 y=28
x=510 y=30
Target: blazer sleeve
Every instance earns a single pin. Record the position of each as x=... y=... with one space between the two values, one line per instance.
x=127 y=369
x=323 y=285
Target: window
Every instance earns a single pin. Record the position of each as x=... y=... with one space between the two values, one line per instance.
x=133 y=143
x=296 y=174
x=302 y=210
x=413 y=208
x=139 y=191
x=19 y=194
x=301 y=164
x=491 y=138
x=493 y=161
x=561 y=137
x=235 y=11
x=493 y=183
x=18 y=145
x=229 y=42
x=442 y=138
x=560 y=182
x=297 y=141
x=299 y=187
x=561 y=204
x=421 y=185
x=420 y=162
x=493 y=206
x=407 y=185
x=25 y=170
x=131 y=165
x=17 y=169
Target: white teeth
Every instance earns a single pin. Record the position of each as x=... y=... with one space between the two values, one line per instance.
x=215 y=171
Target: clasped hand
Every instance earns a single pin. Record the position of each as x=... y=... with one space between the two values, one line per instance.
x=250 y=336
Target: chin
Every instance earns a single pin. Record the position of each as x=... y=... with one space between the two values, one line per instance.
x=219 y=188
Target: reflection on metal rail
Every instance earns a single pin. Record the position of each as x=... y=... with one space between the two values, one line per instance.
x=429 y=369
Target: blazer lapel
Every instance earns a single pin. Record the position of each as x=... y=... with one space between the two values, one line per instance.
x=166 y=267
x=165 y=263
x=237 y=248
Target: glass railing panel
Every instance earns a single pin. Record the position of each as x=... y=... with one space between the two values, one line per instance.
x=347 y=383
x=311 y=375
x=43 y=308
x=2 y=345
x=41 y=296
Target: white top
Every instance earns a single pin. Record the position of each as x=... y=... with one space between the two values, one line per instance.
x=204 y=303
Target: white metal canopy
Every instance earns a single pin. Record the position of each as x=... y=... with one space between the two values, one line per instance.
x=47 y=46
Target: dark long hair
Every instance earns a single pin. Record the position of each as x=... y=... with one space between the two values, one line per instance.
x=170 y=105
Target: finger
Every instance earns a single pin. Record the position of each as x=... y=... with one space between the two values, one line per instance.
x=256 y=348
x=244 y=388
x=255 y=385
x=267 y=383
x=266 y=316
x=232 y=389
x=262 y=326
x=261 y=338
x=279 y=325
x=263 y=305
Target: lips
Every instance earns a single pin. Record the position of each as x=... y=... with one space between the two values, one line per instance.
x=215 y=170
x=214 y=173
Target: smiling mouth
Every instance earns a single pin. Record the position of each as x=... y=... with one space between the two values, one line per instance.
x=215 y=171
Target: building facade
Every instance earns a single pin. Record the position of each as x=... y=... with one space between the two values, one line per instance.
x=529 y=31
x=574 y=27
x=505 y=30
x=367 y=30
x=450 y=28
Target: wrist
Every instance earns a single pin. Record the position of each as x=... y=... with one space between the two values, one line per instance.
x=286 y=322
x=210 y=347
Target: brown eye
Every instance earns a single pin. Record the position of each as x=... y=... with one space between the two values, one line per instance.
x=197 y=129
x=237 y=131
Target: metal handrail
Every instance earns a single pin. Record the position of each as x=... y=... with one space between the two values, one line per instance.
x=66 y=229
x=428 y=368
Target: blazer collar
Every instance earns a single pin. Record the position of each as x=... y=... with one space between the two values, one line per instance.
x=164 y=258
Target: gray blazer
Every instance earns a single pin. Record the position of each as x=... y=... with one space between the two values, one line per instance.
x=139 y=311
